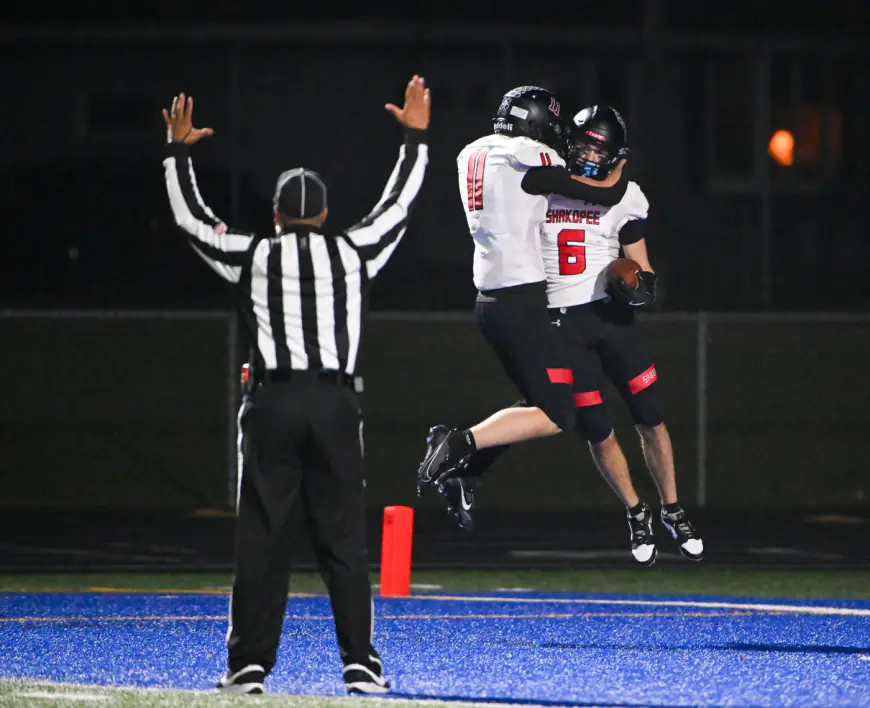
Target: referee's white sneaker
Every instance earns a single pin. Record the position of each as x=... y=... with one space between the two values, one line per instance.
x=248 y=680
x=365 y=678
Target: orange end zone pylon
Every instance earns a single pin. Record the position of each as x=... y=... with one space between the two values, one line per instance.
x=396 y=551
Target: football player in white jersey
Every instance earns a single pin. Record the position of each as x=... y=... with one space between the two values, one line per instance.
x=504 y=180
x=596 y=322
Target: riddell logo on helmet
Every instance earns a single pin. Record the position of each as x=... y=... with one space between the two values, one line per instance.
x=597 y=136
x=555 y=107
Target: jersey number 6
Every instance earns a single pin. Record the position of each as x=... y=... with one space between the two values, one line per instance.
x=572 y=252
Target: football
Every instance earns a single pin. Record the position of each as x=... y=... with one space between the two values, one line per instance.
x=624 y=268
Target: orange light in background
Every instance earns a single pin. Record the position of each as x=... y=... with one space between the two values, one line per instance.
x=781 y=148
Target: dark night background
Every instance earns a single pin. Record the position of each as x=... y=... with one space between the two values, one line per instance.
x=117 y=352
x=702 y=89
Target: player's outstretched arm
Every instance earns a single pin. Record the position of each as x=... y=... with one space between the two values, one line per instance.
x=558 y=180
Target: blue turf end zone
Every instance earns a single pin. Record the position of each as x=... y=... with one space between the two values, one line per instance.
x=554 y=649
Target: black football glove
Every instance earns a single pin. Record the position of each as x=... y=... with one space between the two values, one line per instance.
x=643 y=294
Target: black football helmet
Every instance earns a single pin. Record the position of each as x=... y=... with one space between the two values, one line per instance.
x=534 y=112
x=603 y=128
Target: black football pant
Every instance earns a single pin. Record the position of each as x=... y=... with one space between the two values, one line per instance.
x=515 y=324
x=601 y=339
x=300 y=447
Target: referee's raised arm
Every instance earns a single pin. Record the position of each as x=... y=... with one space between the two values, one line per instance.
x=378 y=234
x=222 y=248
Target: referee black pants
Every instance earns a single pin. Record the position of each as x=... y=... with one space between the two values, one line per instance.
x=301 y=451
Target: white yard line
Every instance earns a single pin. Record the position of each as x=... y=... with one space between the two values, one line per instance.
x=51 y=696
x=758 y=607
x=797 y=609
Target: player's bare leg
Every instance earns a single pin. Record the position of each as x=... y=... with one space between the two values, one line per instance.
x=658 y=453
x=447 y=455
x=659 y=456
x=513 y=425
x=611 y=463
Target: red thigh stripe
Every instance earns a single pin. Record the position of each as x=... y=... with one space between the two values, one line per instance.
x=643 y=380
x=565 y=376
x=589 y=398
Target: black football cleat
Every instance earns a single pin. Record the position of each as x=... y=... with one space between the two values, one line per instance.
x=459 y=492
x=440 y=460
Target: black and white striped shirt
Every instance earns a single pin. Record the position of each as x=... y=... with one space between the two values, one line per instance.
x=304 y=293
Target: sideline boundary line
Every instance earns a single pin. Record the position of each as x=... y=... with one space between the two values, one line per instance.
x=304 y=618
x=716 y=605
x=765 y=607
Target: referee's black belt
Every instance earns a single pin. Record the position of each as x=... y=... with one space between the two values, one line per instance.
x=330 y=376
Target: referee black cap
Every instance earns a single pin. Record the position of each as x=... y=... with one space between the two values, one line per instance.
x=300 y=194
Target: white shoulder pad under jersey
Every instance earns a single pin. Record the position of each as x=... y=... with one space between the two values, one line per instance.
x=634 y=204
x=531 y=153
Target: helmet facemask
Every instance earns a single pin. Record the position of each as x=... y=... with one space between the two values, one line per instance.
x=599 y=138
x=591 y=158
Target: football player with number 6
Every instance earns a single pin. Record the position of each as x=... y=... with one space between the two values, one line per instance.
x=592 y=306
x=595 y=314
x=504 y=180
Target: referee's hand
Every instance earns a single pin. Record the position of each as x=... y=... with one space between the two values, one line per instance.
x=179 y=122
x=415 y=113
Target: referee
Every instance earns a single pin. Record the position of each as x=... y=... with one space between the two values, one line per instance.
x=302 y=295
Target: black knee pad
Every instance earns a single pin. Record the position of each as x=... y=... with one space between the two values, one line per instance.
x=645 y=407
x=593 y=422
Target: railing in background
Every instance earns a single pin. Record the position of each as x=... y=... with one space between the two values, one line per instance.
x=139 y=408
x=122 y=408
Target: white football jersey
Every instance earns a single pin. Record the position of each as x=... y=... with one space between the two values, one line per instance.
x=504 y=221
x=580 y=240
